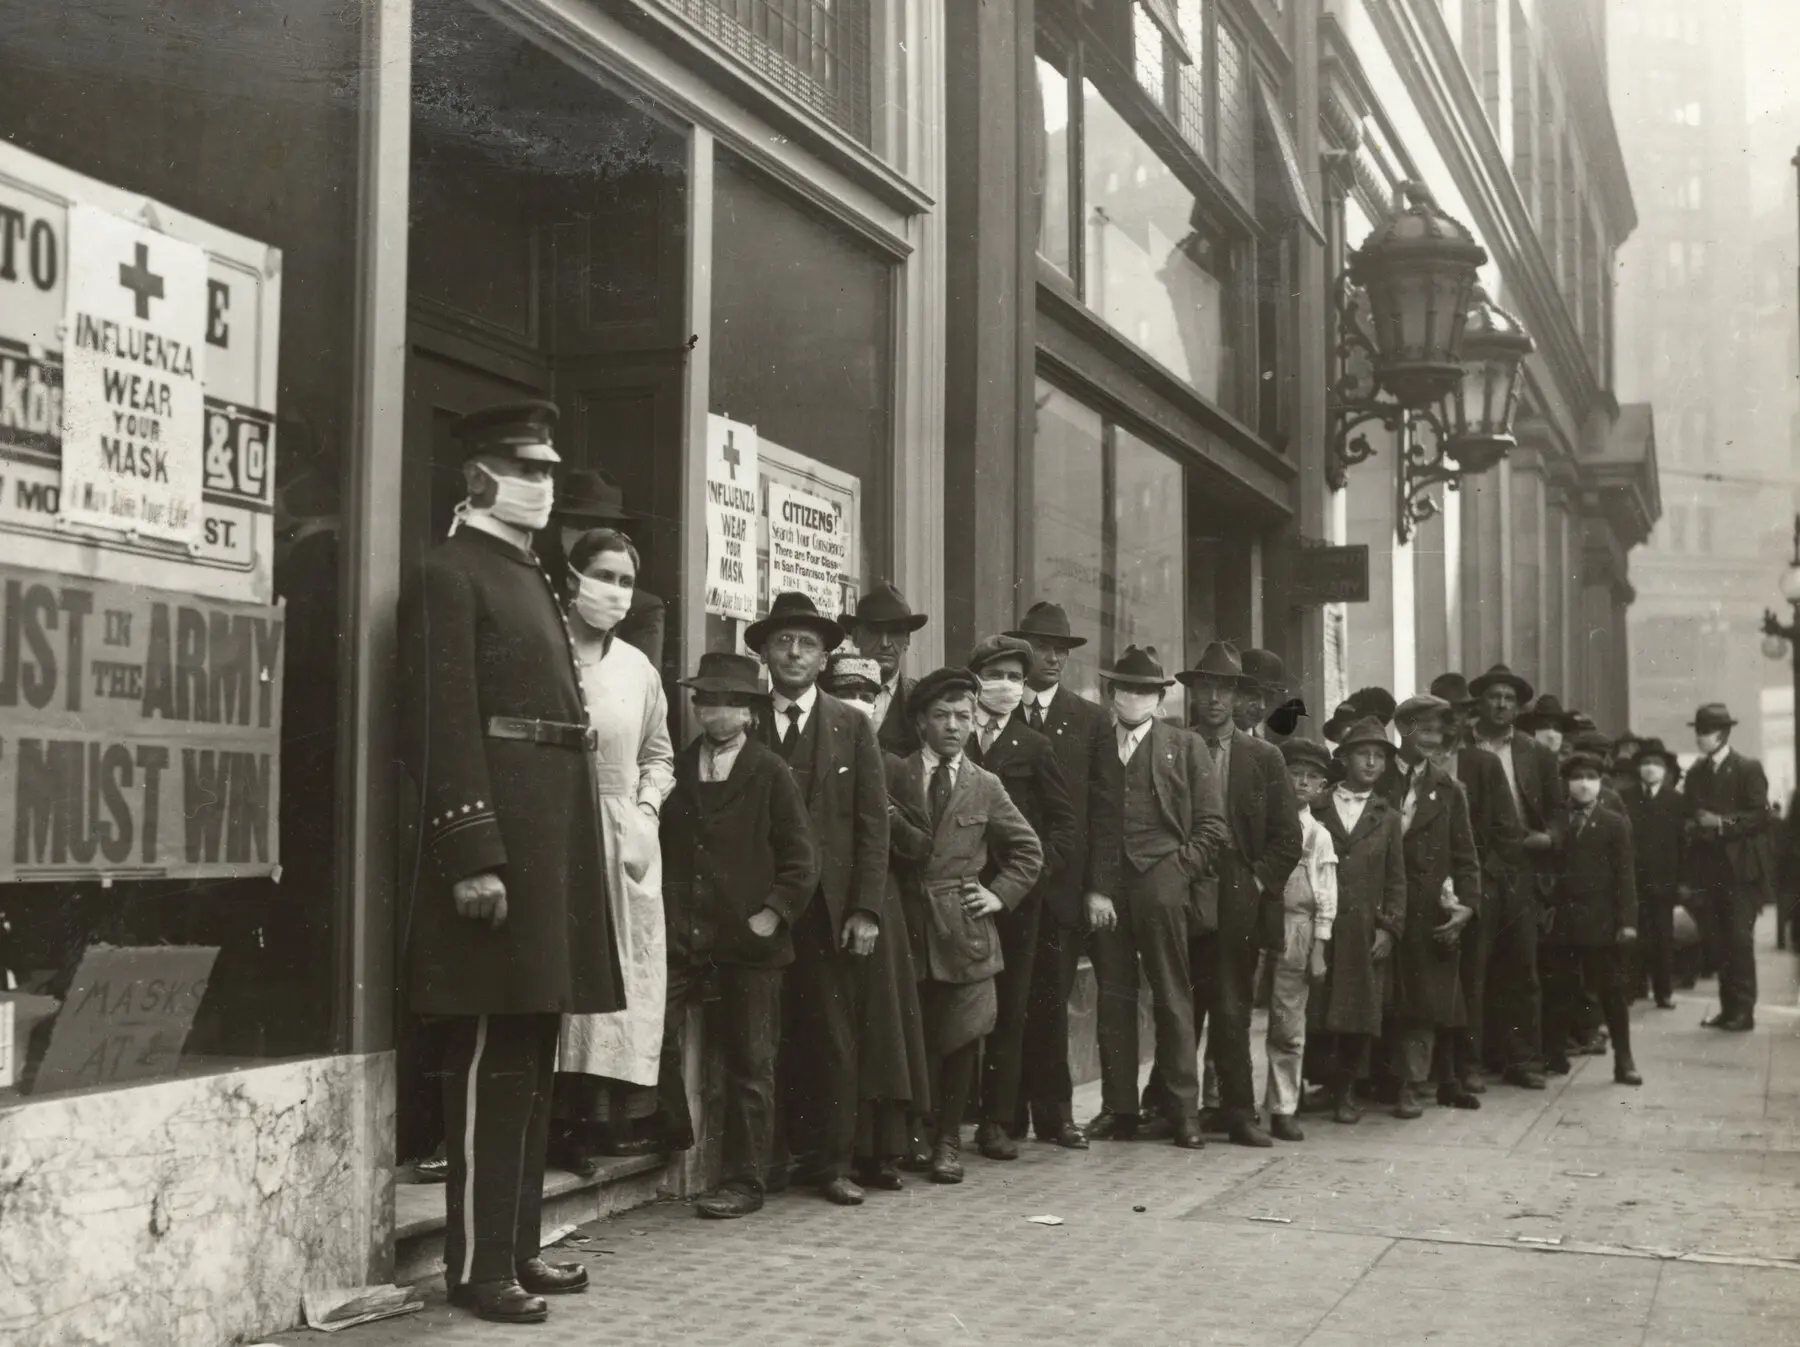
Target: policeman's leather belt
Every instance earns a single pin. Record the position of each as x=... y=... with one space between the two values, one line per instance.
x=553 y=733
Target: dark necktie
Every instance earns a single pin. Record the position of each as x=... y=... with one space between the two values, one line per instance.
x=791 y=735
x=1035 y=716
x=940 y=790
x=1213 y=746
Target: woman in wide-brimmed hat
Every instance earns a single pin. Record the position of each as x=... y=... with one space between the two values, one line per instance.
x=590 y=499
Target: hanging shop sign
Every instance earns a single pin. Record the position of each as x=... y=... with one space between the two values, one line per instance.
x=137 y=386
x=1325 y=575
x=140 y=731
x=731 y=504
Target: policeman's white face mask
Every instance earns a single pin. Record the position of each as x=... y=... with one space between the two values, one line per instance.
x=1584 y=790
x=520 y=501
x=601 y=603
x=1001 y=696
x=1134 y=708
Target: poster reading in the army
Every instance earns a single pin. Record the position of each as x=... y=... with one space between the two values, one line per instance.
x=134 y=386
x=134 y=359
x=140 y=731
x=731 y=503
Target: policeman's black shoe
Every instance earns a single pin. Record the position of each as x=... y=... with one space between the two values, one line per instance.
x=1186 y=1134
x=1525 y=1077
x=1625 y=1072
x=543 y=1278
x=1246 y=1131
x=1111 y=1126
x=993 y=1142
x=730 y=1202
x=1283 y=1127
x=503 y=1301
x=1453 y=1094
x=841 y=1192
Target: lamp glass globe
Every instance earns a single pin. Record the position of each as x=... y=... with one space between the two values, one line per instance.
x=1790 y=584
x=1775 y=647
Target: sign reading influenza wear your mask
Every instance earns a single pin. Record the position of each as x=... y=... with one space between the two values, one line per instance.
x=137 y=386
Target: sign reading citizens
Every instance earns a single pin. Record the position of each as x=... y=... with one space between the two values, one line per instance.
x=139 y=731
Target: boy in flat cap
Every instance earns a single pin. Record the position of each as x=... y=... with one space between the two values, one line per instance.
x=509 y=928
x=982 y=860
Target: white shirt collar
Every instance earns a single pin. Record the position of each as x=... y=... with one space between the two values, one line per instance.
x=484 y=522
x=932 y=760
x=1718 y=755
x=1043 y=698
x=805 y=701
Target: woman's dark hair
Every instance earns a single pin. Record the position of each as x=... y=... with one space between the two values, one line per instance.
x=595 y=541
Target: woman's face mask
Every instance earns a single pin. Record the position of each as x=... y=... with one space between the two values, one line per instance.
x=601 y=603
x=1134 y=708
x=722 y=724
x=1584 y=790
x=1001 y=696
x=520 y=501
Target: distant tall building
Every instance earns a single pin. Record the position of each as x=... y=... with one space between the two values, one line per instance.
x=1691 y=335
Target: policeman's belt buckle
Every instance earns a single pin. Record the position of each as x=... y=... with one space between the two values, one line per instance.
x=556 y=734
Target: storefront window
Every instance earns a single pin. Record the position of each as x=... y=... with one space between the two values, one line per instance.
x=803 y=354
x=1156 y=269
x=1053 y=196
x=152 y=813
x=1108 y=536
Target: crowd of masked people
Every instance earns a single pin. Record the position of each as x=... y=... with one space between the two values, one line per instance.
x=881 y=886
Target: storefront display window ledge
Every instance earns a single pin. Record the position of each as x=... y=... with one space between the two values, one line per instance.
x=569 y=1199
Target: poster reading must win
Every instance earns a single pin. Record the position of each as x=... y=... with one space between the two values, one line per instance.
x=139 y=731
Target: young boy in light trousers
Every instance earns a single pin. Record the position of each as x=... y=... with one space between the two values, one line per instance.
x=1309 y=908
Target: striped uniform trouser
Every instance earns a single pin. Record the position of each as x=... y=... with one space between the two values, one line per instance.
x=497 y=1073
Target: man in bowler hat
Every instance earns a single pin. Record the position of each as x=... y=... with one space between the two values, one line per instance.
x=1727 y=799
x=507 y=927
x=832 y=752
x=1171 y=830
x=882 y=628
x=1081 y=735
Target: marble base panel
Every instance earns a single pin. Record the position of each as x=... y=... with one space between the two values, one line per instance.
x=195 y=1211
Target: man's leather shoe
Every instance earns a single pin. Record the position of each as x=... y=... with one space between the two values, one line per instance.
x=1406 y=1104
x=946 y=1162
x=542 y=1278
x=1456 y=1095
x=1069 y=1136
x=1473 y=1084
x=1594 y=1046
x=730 y=1202
x=432 y=1169
x=1345 y=1110
x=1248 y=1132
x=841 y=1191
x=1113 y=1127
x=503 y=1301
x=571 y=1156
x=993 y=1142
x=1186 y=1134
x=917 y=1159
x=1213 y=1121
x=884 y=1176
x=1625 y=1072
x=1156 y=1127
x=1556 y=1066
x=1283 y=1127
x=1525 y=1077
x=1732 y=1024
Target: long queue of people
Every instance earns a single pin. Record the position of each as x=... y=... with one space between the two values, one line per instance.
x=886 y=884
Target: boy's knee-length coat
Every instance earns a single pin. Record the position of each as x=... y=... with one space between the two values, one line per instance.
x=1440 y=848
x=1371 y=898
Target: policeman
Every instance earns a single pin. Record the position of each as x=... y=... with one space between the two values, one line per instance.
x=508 y=927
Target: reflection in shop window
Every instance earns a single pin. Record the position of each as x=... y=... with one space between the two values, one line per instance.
x=1053 y=191
x=1148 y=570
x=1156 y=270
x=1068 y=513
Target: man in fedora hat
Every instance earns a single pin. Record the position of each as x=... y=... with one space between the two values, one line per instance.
x=1171 y=830
x=1270 y=713
x=1658 y=816
x=1498 y=835
x=1253 y=870
x=1443 y=894
x=591 y=499
x=740 y=871
x=508 y=924
x=1026 y=765
x=1081 y=736
x=1513 y=1009
x=1546 y=721
x=1727 y=799
x=834 y=756
x=882 y=627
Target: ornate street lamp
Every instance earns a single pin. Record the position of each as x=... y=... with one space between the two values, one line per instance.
x=1422 y=348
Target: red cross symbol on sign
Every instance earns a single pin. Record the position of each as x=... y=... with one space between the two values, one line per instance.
x=731 y=454
x=144 y=284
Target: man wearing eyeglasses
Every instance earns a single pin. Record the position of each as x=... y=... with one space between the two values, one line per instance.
x=833 y=754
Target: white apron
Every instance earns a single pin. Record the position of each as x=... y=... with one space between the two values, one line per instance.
x=633 y=763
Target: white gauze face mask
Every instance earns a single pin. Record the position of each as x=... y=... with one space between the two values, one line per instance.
x=1652 y=773
x=1001 y=696
x=601 y=603
x=1134 y=708
x=1585 y=790
x=518 y=501
x=722 y=723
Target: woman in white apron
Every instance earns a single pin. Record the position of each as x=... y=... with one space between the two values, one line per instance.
x=607 y=1064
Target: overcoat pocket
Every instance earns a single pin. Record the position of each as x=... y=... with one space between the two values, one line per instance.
x=962 y=948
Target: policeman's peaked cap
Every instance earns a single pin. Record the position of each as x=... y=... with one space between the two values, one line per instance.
x=521 y=430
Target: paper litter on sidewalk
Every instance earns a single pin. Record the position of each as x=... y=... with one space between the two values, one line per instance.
x=1272 y=1220
x=1550 y=1240
x=1045 y=1220
x=347 y=1306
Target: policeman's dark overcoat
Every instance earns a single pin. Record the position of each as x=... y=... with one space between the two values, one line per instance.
x=482 y=636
